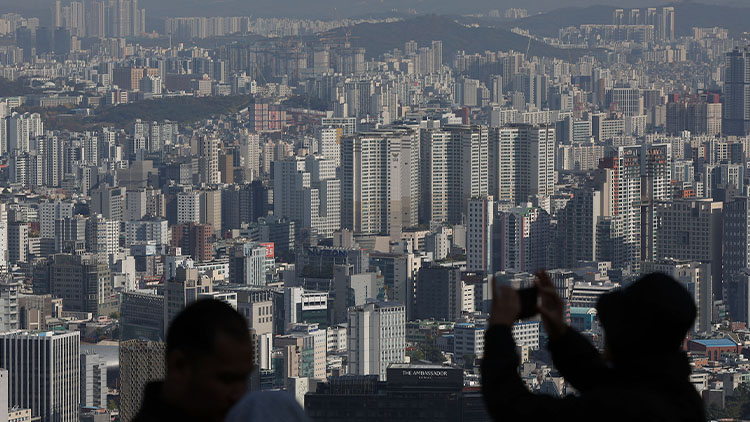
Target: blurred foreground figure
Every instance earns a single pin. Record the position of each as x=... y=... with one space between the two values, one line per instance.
x=209 y=359
x=267 y=406
x=643 y=375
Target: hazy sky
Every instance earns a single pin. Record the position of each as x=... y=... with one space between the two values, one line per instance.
x=343 y=8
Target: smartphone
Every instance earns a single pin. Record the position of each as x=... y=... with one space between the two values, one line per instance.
x=528 y=299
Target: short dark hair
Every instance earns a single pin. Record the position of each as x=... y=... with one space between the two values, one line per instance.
x=194 y=330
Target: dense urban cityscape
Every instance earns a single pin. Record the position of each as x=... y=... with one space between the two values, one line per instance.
x=351 y=185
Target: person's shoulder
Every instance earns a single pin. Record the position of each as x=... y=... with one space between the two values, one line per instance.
x=267 y=406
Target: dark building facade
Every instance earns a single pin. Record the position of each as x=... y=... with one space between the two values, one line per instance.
x=413 y=393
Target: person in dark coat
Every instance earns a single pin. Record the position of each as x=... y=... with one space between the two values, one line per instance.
x=643 y=375
x=209 y=360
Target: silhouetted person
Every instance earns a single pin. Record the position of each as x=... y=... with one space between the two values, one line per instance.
x=209 y=359
x=644 y=375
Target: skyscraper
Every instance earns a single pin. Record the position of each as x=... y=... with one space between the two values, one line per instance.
x=692 y=230
x=736 y=111
x=308 y=193
x=380 y=181
x=376 y=337
x=521 y=162
x=208 y=152
x=479 y=226
x=623 y=186
x=523 y=236
x=51 y=390
x=667 y=23
x=455 y=168
x=141 y=362
x=93 y=381
x=82 y=281
x=577 y=227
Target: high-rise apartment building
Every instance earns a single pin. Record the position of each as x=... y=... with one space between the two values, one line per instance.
x=376 y=337
x=49 y=212
x=208 y=162
x=210 y=208
x=455 y=168
x=307 y=191
x=736 y=104
x=189 y=207
x=102 y=235
x=692 y=230
x=380 y=181
x=194 y=239
x=479 y=226
x=3 y=237
x=18 y=242
x=576 y=227
x=9 y=307
x=522 y=162
x=523 y=239
x=623 y=192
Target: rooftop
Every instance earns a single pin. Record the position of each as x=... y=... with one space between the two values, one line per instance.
x=721 y=342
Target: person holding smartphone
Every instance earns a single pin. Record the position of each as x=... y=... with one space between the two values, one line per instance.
x=643 y=374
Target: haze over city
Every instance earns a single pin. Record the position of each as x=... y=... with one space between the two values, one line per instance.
x=378 y=210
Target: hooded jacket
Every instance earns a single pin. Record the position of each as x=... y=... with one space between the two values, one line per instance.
x=647 y=381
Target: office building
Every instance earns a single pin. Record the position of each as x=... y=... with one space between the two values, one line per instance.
x=51 y=391
x=310 y=344
x=142 y=316
x=441 y=294
x=411 y=393
x=247 y=264
x=141 y=362
x=82 y=281
x=93 y=381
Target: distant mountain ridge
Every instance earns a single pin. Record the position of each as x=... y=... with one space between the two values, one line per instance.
x=687 y=16
x=382 y=37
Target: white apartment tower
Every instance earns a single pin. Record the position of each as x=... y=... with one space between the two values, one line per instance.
x=522 y=162
x=380 y=181
x=188 y=207
x=306 y=190
x=376 y=337
x=208 y=153
x=49 y=212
